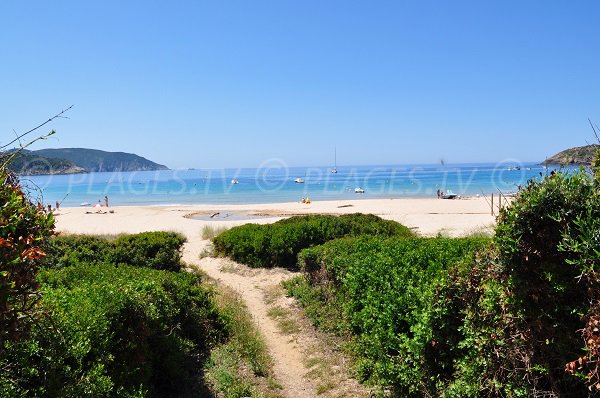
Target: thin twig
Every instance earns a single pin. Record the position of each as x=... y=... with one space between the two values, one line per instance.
x=595 y=129
x=58 y=115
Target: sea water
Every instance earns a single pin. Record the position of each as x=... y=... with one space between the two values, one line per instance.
x=275 y=183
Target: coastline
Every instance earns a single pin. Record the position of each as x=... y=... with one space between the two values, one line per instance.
x=426 y=216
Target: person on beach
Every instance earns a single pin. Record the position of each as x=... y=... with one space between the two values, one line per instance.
x=57 y=205
x=438 y=194
x=106 y=201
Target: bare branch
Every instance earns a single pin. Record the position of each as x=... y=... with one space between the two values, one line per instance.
x=18 y=138
x=58 y=115
x=595 y=129
x=5 y=161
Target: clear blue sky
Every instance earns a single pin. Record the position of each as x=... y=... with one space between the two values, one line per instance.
x=234 y=83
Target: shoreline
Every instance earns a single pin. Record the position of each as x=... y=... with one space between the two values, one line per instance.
x=427 y=216
x=358 y=198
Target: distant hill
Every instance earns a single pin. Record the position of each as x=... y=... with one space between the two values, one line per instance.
x=581 y=155
x=95 y=160
x=78 y=160
x=27 y=163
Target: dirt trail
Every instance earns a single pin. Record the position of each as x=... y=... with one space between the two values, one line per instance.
x=289 y=352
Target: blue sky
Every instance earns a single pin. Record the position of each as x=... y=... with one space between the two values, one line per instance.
x=235 y=83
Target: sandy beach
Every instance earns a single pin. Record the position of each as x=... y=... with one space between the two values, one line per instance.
x=425 y=216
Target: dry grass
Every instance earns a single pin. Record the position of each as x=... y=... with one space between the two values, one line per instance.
x=272 y=294
x=210 y=231
x=208 y=251
x=285 y=321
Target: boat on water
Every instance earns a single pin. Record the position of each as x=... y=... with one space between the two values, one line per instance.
x=299 y=180
x=234 y=181
x=334 y=170
x=359 y=190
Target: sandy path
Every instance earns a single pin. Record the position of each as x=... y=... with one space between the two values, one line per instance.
x=287 y=357
x=290 y=353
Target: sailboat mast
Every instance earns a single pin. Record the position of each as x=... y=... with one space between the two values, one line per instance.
x=334 y=170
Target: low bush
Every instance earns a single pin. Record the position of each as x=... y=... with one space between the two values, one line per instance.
x=278 y=244
x=115 y=331
x=545 y=278
x=24 y=230
x=67 y=250
x=157 y=250
x=383 y=293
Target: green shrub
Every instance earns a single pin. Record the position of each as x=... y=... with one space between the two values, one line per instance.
x=525 y=301
x=596 y=164
x=278 y=244
x=157 y=250
x=24 y=229
x=67 y=250
x=116 y=331
x=549 y=250
x=385 y=291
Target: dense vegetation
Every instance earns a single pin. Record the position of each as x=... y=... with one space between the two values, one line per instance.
x=86 y=316
x=114 y=321
x=158 y=250
x=383 y=293
x=548 y=246
x=459 y=317
x=24 y=231
x=278 y=244
x=115 y=331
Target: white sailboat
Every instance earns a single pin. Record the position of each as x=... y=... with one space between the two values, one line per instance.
x=334 y=170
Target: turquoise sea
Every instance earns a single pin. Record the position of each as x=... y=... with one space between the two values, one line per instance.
x=275 y=183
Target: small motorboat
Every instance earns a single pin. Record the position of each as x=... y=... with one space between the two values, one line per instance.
x=359 y=190
x=234 y=181
x=449 y=195
x=299 y=180
x=85 y=204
